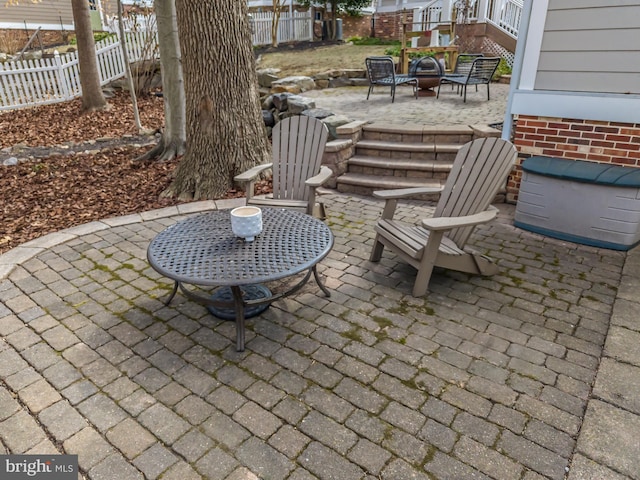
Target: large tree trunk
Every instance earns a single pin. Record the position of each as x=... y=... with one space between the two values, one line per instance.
x=225 y=130
x=173 y=142
x=92 y=97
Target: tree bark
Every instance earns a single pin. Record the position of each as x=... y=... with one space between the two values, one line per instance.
x=127 y=68
x=92 y=97
x=275 y=24
x=225 y=130
x=173 y=141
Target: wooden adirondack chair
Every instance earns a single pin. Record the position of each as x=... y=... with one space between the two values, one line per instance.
x=298 y=144
x=479 y=170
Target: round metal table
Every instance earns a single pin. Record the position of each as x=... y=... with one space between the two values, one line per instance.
x=203 y=251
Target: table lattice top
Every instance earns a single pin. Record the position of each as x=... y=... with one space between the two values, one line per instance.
x=202 y=250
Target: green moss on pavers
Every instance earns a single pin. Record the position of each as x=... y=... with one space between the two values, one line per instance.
x=404 y=307
x=352 y=334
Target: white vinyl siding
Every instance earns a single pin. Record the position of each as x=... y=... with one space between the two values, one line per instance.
x=590 y=46
x=47 y=14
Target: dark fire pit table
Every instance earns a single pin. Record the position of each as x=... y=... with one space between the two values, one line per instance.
x=202 y=251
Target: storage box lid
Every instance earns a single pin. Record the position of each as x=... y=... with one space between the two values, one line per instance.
x=582 y=171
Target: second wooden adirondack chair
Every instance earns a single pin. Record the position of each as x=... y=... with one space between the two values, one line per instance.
x=298 y=144
x=479 y=170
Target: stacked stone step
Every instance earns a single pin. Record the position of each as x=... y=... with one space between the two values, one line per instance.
x=402 y=156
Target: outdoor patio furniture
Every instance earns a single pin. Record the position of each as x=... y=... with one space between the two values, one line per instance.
x=203 y=252
x=428 y=71
x=381 y=71
x=298 y=144
x=480 y=72
x=463 y=65
x=479 y=170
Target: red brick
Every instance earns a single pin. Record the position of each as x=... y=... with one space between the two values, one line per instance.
x=603 y=144
x=618 y=138
x=608 y=130
x=558 y=125
x=537 y=123
x=565 y=147
x=582 y=128
x=598 y=136
x=624 y=161
x=629 y=131
x=569 y=133
x=628 y=146
x=552 y=153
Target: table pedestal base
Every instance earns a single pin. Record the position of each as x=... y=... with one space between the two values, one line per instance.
x=249 y=292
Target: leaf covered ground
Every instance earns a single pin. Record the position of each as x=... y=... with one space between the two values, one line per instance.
x=61 y=186
x=52 y=192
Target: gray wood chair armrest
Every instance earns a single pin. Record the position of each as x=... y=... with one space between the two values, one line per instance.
x=405 y=192
x=321 y=178
x=248 y=178
x=252 y=173
x=391 y=197
x=447 y=223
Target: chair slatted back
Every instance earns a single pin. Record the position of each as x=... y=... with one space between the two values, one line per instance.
x=482 y=70
x=464 y=62
x=379 y=68
x=479 y=170
x=298 y=144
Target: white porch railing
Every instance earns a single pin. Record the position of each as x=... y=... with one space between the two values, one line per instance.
x=504 y=14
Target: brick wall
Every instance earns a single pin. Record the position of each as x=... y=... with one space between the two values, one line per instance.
x=388 y=26
x=608 y=142
x=356 y=26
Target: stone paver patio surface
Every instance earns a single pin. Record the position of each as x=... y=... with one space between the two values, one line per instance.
x=530 y=374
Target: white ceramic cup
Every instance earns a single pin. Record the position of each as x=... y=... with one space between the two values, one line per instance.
x=246 y=222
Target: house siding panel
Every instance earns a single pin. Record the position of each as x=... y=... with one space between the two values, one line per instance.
x=46 y=13
x=591 y=40
x=574 y=31
x=601 y=82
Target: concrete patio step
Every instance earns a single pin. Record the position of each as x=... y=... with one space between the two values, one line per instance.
x=403 y=156
x=366 y=184
x=400 y=167
x=399 y=151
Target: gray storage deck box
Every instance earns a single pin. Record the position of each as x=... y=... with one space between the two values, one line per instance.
x=584 y=202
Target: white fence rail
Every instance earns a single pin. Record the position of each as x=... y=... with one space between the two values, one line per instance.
x=57 y=79
x=50 y=80
x=291 y=28
x=504 y=14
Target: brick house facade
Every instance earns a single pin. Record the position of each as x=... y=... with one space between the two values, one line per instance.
x=388 y=26
x=597 y=141
x=564 y=106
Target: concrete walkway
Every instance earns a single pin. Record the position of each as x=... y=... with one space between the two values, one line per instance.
x=407 y=110
x=533 y=373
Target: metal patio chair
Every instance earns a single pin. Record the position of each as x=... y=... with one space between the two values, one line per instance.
x=381 y=71
x=480 y=72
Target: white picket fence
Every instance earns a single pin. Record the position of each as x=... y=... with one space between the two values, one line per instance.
x=50 y=80
x=296 y=27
